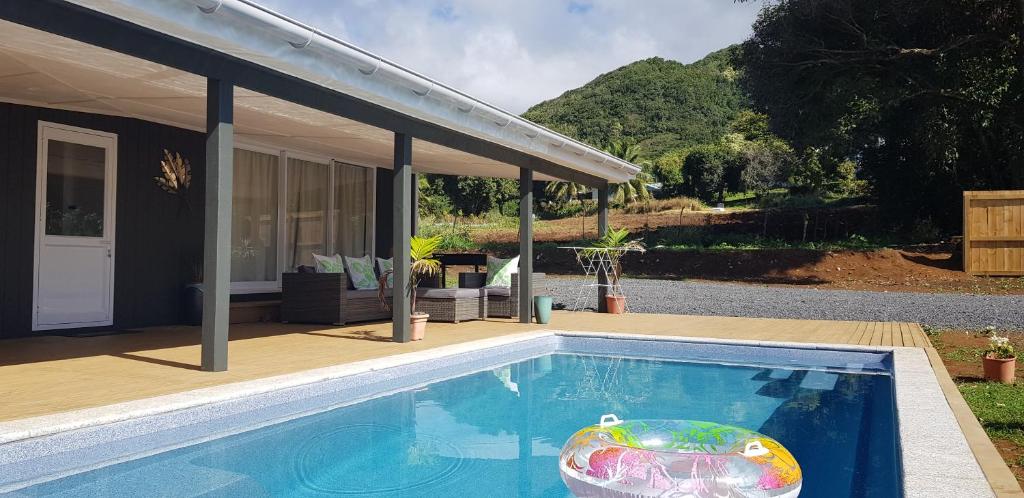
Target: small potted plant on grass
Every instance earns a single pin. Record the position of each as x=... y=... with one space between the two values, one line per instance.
x=421 y=264
x=1000 y=360
x=615 y=243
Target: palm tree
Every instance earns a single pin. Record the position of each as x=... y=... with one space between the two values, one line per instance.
x=566 y=191
x=570 y=192
x=635 y=189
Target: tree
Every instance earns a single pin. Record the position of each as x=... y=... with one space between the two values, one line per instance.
x=704 y=172
x=928 y=96
x=764 y=170
x=564 y=191
x=431 y=197
x=474 y=195
x=668 y=169
x=634 y=190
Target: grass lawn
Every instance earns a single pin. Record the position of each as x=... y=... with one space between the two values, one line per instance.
x=999 y=408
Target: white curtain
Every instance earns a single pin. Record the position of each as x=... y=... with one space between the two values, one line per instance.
x=254 y=217
x=308 y=188
x=352 y=230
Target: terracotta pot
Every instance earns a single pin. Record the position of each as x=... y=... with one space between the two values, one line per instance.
x=1000 y=370
x=616 y=304
x=419 y=325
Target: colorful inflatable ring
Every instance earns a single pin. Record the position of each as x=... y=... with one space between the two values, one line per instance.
x=686 y=458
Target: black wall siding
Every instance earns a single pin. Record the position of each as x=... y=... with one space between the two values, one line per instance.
x=384 y=207
x=156 y=241
x=19 y=195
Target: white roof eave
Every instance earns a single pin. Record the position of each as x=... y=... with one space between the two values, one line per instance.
x=246 y=30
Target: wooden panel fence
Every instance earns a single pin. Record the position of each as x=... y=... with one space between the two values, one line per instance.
x=994 y=232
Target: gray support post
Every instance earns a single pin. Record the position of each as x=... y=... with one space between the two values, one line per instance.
x=415 y=205
x=525 y=245
x=602 y=229
x=217 y=235
x=401 y=184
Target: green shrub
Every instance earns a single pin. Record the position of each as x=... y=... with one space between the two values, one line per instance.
x=453 y=238
x=682 y=203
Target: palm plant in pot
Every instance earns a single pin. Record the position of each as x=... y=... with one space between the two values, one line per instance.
x=614 y=245
x=1000 y=360
x=421 y=265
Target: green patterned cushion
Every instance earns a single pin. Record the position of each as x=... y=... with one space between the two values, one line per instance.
x=384 y=265
x=329 y=264
x=499 y=271
x=360 y=272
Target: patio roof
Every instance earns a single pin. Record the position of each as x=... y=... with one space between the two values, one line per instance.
x=230 y=67
x=44 y=68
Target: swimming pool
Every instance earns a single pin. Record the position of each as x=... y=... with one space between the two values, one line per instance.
x=492 y=423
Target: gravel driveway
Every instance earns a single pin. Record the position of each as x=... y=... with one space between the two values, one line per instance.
x=967 y=311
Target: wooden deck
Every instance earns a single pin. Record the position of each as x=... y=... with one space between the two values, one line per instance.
x=54 y=374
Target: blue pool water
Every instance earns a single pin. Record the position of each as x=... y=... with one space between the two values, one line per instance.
x=499 y=433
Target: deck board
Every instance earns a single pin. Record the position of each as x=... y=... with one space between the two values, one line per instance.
x=52 y=374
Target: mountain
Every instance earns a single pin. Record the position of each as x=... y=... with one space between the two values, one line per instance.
x=660 y=104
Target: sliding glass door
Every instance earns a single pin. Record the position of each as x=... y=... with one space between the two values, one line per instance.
x=308 y=198
x=353 y=223
x=254 y=220
x=282 y=215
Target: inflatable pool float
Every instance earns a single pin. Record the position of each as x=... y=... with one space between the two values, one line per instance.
x=676 y=458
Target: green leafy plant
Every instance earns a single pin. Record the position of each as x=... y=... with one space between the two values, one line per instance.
x=421 y=264
x=616 y=243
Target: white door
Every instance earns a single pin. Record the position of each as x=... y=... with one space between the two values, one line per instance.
x=74 y=263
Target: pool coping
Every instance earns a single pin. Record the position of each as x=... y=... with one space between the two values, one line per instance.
x=932 y=438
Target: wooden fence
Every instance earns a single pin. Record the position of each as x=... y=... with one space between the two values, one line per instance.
x=994 y=232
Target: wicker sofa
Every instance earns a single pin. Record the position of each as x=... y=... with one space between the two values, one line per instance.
x=326 y=298
x=502 y=302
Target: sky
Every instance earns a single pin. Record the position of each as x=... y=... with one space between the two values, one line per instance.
x=517 y=53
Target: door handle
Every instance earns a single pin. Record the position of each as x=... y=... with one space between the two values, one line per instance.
x=109 y=253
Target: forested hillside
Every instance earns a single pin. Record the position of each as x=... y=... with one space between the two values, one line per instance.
x=660 y=105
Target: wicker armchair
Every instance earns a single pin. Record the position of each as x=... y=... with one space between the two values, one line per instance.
x=502 y=302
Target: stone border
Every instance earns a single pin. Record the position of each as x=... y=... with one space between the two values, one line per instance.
x=999 y=475
x=936 y=457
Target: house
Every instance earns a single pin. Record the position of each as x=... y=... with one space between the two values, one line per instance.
x=298 y=142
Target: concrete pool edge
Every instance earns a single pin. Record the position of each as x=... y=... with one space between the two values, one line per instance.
x=1000 y=477
x=916 y=384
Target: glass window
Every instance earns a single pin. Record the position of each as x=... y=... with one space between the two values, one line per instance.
x=308 y=189
x=352 y=197
x=254 y=220
x=75 y=176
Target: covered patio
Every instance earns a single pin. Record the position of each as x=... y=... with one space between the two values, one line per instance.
x=248 y=80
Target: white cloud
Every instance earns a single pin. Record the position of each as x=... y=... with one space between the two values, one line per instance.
x=515 y=54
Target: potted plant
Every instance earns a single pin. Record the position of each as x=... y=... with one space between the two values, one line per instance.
x=1000 y=360
x=615 y=244
x=422 y=264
